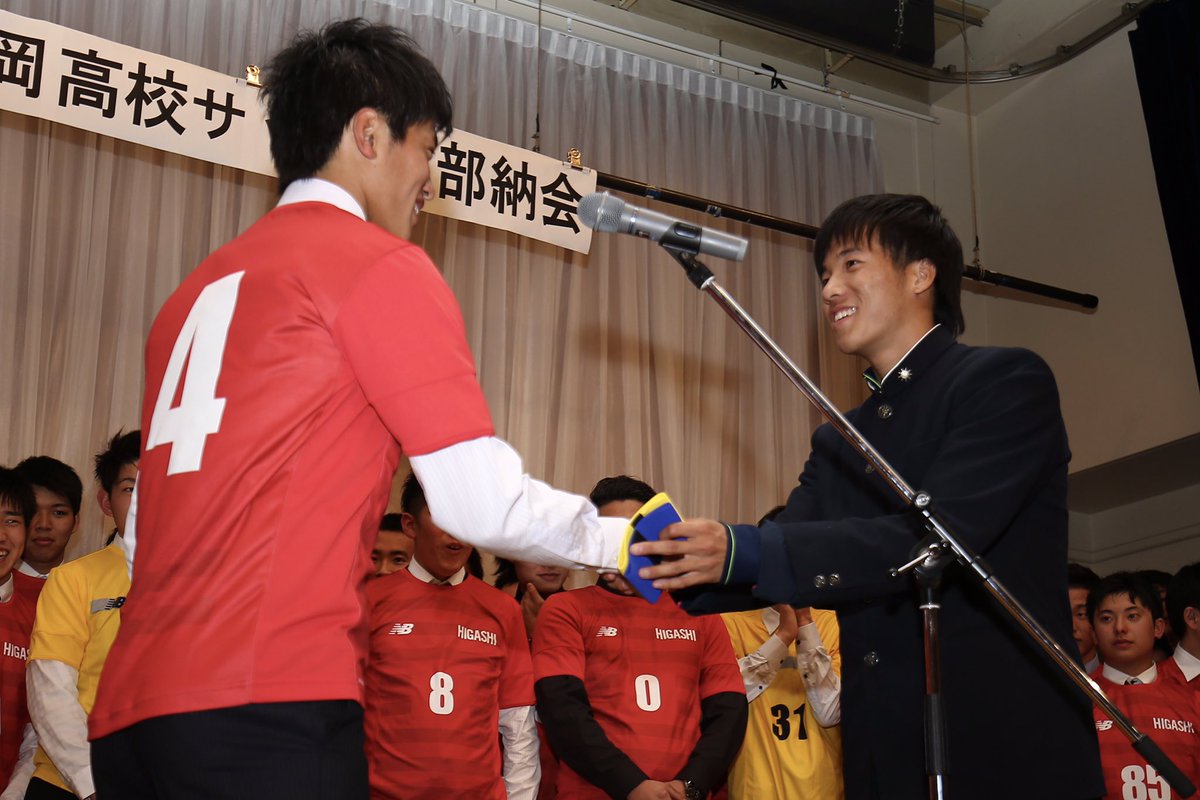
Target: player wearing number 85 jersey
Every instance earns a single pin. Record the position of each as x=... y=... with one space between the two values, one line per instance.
x=1126 y=612
x=283 y=379
x=637 y=700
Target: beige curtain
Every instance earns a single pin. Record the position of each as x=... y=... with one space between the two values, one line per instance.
x=592 y=365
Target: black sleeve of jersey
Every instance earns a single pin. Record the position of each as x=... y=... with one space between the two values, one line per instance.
x=577 y=739
x=722 y=728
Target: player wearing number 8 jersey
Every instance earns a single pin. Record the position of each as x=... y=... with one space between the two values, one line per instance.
x=283 y=379
x=635 y=697
x=448 y=661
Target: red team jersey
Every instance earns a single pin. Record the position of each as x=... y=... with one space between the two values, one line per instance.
x=16 y=625
x=1169 y=713
x=645 y=667
x=279 y=378
x=444 y=660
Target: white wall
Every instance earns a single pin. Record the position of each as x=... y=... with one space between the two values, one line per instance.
x=1067 y=197
x=1161 y=532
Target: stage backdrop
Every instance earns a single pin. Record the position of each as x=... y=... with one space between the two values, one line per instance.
x=592 y=365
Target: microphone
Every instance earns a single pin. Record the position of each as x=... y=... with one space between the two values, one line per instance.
x=602 y=212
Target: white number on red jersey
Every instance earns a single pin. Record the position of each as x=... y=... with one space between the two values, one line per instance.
x=647 y=692
x=1140 y=782
x=200 y=345
x=441 y=694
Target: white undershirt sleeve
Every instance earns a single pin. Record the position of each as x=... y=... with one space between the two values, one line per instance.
x=477 y=491
x=61 y=723
x=522 y=765
x=23 y=770
x=821 y=682
x=760 y=667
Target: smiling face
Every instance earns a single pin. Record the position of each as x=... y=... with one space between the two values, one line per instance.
x=1125 y=633
x=876 y=310
x=53 y=525
x=12 y=536
x=434 y=549
x=398 y=184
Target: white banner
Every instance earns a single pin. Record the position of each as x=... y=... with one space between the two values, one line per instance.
x=501 y=186
x=63 y=75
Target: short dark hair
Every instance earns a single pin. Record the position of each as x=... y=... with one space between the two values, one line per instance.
x=315 y=86
x=1080 y=577
x=16 y=490
x=53 y=476
x=908 y=228
x=1134 y=584
x=122 y=449
x=392 y=522
x=505 y=574
x=412 y=496
x=1183 y=593
x=620 y=487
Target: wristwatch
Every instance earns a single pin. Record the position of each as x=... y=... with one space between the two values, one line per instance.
x=691 y=791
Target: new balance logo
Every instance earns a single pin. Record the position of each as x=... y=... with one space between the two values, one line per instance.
x=1104 y=724
x=400 y=629
x=607 y=631
x=107 y=604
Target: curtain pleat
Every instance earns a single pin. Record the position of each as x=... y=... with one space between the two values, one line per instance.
x=592 y=365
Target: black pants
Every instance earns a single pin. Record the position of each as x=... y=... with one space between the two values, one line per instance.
x=39 y=789
x=299 y=751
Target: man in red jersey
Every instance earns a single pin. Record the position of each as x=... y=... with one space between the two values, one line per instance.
x=448 y=663
x=284 y=377
x=18 y=604
x=1125 y=609
x=638 y=701
x=393 y=547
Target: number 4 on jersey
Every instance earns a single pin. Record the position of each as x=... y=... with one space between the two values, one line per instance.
x=201 y=346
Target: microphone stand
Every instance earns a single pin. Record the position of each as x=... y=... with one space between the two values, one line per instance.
x=937 y=550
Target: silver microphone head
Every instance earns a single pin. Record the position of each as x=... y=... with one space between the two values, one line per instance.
x=600 y=211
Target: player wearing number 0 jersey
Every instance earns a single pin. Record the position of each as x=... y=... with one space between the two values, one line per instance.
x=446 y=661
x=645 y=671
x=637 y=700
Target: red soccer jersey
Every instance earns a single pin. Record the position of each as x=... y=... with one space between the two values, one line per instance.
x=279 y=378
x=443 y=661
x=645 y=667
x=16 y=624
x=1165 y=710
x=1169 y=670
